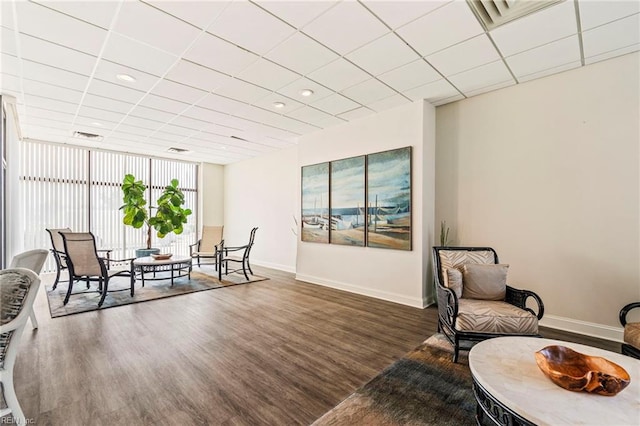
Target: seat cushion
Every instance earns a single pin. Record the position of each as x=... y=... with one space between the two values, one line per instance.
x=632 y=334
x=489 y=316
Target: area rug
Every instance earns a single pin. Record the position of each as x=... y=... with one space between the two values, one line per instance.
x=422 y=388
x=83 y=300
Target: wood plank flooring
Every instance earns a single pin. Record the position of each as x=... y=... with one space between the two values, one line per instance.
x=276 y=352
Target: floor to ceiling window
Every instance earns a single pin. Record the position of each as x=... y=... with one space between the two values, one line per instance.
x=69 y=187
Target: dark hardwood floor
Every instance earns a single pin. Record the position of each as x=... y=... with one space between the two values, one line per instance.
x=277 y=352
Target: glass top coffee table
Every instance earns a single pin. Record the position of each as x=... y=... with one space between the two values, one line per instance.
x=511 y=389
x=177 y=266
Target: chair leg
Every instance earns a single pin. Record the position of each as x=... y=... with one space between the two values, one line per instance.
x=244 y=269
x=88 y=283
x=104 y=291
x=249 y=266
x=456 y=349
x=11 y=399
x=133 y=282
x=55 y=282
x=34 y=321
x=66 y=298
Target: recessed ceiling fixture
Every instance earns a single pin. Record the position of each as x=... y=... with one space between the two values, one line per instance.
x=178 y=150
x=306 y=92
x=279 y=104
x=87 y=136
x=126 y=77
x=493 y=13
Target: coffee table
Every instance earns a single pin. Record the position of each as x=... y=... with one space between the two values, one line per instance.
x=179 y=264
x=511 y=389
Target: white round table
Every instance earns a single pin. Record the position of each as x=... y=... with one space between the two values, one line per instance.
x=179 y=264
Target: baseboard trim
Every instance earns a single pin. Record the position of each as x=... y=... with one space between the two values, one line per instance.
x=583 y=327
x=277 y=266
x=377 y=294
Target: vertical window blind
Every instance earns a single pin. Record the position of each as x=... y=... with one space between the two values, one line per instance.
x=69 y=187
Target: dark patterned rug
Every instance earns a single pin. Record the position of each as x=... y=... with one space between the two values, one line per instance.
x=83 y=300
x=422 y=388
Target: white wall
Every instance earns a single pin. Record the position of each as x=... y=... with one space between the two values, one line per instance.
x=394 y=275
x=212 y=195
x=547 y=173
x=263 y=192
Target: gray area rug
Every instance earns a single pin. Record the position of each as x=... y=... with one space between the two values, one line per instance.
x=422 y=388
x=83 y=300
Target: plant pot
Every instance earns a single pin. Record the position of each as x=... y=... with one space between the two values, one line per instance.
x=147 y=252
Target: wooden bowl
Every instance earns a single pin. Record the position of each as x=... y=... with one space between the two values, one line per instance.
x=579 y=372
x=162 y=256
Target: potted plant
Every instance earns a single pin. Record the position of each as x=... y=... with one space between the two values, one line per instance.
x=169 y=214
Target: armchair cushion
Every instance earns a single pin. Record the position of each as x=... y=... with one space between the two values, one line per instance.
x=489 y=316
x=632 y=334
x=484 y=282
x=453 y=280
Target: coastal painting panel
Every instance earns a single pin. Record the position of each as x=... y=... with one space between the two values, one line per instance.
x=315 y=203
x=347 y=202
x=389 y=199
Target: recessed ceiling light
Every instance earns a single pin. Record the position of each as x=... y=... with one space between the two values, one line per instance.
x=306 y=92
x=126 y=77
x=278 y=104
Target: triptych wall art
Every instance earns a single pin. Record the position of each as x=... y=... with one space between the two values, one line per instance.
x=359 y=201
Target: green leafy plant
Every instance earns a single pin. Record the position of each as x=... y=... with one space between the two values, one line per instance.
x=169 y=215
x=444 y=233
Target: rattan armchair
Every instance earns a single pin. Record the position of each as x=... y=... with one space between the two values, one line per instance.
x=631 y=345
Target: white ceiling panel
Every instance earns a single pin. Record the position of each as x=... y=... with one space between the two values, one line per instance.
x=246 y=25
x=268 y=75
x=463 y=56
x=197 y=76
x=50 y=91
x=6 y=14
x=612 y=36
x=10 y=83
x=222 y=104
x=164 y=104
x=444 y=27
x=108 y=104
x=110 y=90
x=612 y=54
x=388 y=103
x=432 y=91
x=51 y=54
x=411 y=75
x=100 y=127
x=291 y=125
x=301 y=54
x=178 y=130
x=47 y=24
x=483 y=76
x=152 y=114
x=399 y=12
x=35 y=71
x=550 y=24
x=346 y=27
x=52 y=104
x=295 y=12
x=354 y=114
x=220 y=55
x=166 y=137
x=335 y=104
x=49 y=114
x=108 y=71
x=131 y=137
x=131 y=53
x=368 y=91
x=443 y=101
x=142 y=123
x=311 y=115
x=95 y=12
x=10 y=65
x=53 y=124
x=339 y=75
x=550 y=71
x=99 y=114
x=179 y=92
x=595 y=13
x=188 y=122
x=384 y=54
x=268 y=101
x=211 y=116
x=294 y=90
x=8 y=41
x=198 y=13
x=160 y=29
x=242 y=91
x=544 y=57
x=134 y=130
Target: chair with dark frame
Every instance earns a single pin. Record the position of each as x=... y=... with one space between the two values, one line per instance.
x=243 y=260
x=631 y=345
x=474 y=301
x=34 y=261
x=207 y=245
x=82 y=260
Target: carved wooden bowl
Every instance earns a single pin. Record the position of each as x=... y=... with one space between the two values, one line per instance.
x=162 y=256
x=579 y=372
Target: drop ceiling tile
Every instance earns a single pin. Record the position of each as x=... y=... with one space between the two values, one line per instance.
x=10 y=83
x=444 y=27
x=178 y=130
x=397 y=13
x=246 y=25
x=612 y=36
x=550 y=71
x=131 y=53
x=310 y=115
x=242 y=91
x=9 y=65
x=107 y=71
x=301 y=54
x=292 y=125
x=50 y=91
x=220 y=55
x=438 y=102
x=197 y=76
x=544 y=57
x=339 y=75
x=133 y=130
x=294 y=89
x=164 y=104
x=612 y=54
x=151 y=114
x=220 y=130
x=179 y=92
x=46 y=74
x=51 y=54
x=98 y=13
x=296 y=13
x=368 y=91
x=434 y=91
x=49 y=114
x=354 y=114
x=268 y=101
x=167 y=137
x=384 y=54
x=51 y=124
x=47 y=24
x=485 y=75
x=131 y=137
x=490 y=88
x=388 y=103
x=346 y=27
x=545 y=26
x=595 y=13
x=198 y=13
x=114 y=91
x=8 y=41
x=98 y=126
x=100 y=114
x=188 y=122
x=335 y=104
x=268 y=75
x=106 y=103
x=208 y=115
x=464 y=56
x=222 y=104
x=411 y=75
x=6 y=14
x=143 y=123
x=52 y=104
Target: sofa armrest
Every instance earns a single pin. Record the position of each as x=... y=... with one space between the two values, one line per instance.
x=518 y=297
x=625 y=310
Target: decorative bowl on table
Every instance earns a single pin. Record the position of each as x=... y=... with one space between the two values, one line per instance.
x=164 y=256
x=579 y=372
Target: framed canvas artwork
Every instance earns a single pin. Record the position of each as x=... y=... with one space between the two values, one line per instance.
x=348 y=210
x=315 y=203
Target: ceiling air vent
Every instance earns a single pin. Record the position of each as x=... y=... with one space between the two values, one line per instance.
x=87 y=136
x=178 y=150
x=494 y=13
